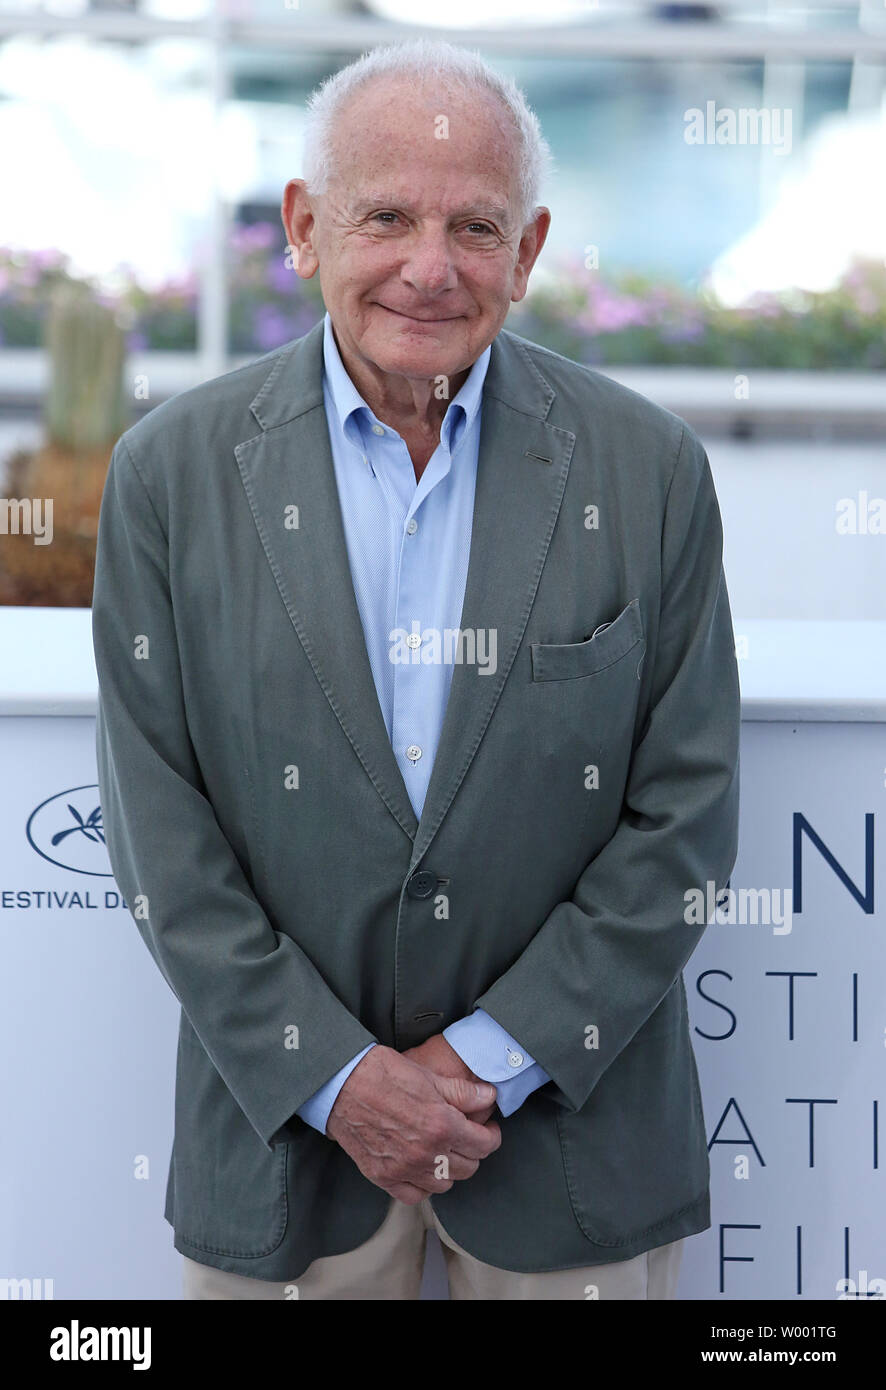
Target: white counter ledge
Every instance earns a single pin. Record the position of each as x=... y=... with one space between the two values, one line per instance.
x=46 y=661
x=804 y=670
x=789 y=670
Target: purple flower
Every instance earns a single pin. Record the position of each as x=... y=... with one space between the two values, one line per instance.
x=188 y=284
x=304 y=318
x=687 y=330
x=270 y=328
x=47 y=258
x=257 y=237
x=280 y=277
x=609 y=312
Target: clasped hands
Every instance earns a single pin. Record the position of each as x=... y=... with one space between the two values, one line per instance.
x=415 y=1122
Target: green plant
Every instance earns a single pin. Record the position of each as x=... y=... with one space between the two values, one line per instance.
x=85 y=406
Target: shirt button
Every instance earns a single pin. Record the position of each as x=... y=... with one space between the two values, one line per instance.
x=411 y=526
x=413 y=752
x=515 y=1059
x=413 y=640
x=377 y=429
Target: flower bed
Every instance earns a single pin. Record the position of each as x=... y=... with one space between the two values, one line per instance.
x=630 y=320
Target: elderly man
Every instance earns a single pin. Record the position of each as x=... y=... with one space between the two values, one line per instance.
x=418 y=722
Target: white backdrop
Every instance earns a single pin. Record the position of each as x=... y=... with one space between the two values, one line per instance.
x=88 y=1033
x=832 y=776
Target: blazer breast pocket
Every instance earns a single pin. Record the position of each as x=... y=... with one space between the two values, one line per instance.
x=571 y=660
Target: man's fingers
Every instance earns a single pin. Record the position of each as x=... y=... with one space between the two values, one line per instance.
x=399 y=1120
x=480 y=1117
x=408 y=1194
x=463 y=1094
x=457 y=1167
x=472 y=1140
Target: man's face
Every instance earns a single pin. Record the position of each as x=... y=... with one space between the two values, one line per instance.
x=417 y=238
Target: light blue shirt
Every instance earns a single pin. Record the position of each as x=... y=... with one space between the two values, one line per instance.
x=408 y=547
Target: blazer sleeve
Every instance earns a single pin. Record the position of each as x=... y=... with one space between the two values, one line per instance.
x=609 y=955
x=241 y=983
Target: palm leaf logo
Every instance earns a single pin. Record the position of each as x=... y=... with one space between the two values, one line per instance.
x=91 y=827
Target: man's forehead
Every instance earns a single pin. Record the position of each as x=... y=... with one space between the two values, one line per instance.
x=394 y=112
x=370 y=162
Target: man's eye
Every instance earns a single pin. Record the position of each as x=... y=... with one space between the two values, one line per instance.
x=376 y=215
x=481 y=227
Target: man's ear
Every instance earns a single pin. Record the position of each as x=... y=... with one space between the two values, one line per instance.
x=298 y=223
x=531 y=242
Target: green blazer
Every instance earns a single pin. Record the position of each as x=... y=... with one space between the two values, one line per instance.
x=260 y=830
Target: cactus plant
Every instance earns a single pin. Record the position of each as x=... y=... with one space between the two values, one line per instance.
x=85 y=405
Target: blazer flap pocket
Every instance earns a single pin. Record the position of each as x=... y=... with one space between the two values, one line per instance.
x=564 y=661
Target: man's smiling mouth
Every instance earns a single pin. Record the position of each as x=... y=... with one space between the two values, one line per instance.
x=418 y=318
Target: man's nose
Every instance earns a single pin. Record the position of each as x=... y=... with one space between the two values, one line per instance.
x=429 y=265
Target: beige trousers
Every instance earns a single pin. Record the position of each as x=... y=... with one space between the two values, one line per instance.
x=389 y=1266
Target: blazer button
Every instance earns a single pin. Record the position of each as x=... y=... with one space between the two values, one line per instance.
x=422 y=884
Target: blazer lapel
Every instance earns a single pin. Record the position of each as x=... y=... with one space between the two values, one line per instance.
x=290 y=465
x=521 y=474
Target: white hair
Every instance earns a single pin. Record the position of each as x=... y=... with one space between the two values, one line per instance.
x=420 y=61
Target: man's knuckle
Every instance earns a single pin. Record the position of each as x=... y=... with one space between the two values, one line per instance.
x=427 y=1135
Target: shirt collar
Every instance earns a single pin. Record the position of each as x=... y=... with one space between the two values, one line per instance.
x=346 y=399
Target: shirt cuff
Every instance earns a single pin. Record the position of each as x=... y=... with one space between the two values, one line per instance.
x=315 y=1110
x=495 y=1056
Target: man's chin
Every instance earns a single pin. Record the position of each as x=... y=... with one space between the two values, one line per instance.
x=424 y=358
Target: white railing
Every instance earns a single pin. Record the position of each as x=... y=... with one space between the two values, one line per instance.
x=707 y=393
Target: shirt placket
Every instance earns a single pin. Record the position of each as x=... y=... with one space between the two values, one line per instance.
x=416 y=681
